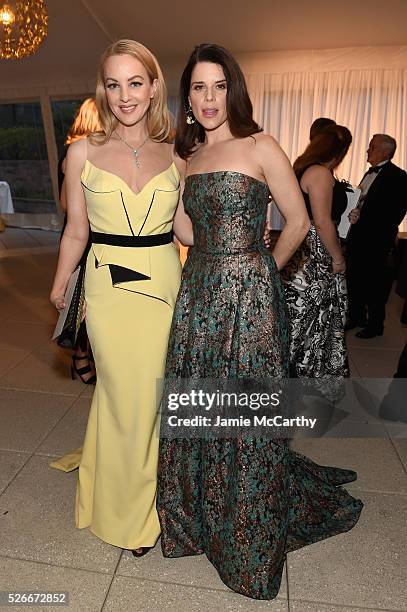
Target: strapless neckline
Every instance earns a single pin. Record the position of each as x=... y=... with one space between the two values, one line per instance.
x=135 y=194
x=249 y=176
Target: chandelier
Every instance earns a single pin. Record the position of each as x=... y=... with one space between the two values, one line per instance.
x=23 y=27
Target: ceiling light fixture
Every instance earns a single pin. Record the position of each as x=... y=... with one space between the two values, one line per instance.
x=23 y=27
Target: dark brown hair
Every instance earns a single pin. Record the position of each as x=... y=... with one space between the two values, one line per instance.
x=332 y=143
x=238 y=105
x=319 y=124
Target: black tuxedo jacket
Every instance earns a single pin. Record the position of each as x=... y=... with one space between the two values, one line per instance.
x=382 y=212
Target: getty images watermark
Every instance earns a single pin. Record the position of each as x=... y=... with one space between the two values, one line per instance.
x=229 y=408
x=222 y=402
x=282 y=408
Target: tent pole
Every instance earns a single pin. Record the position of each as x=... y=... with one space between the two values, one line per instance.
x=52 y=150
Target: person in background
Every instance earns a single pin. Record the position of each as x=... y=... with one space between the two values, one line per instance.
x=393 y=405
x=374 y=227
x=401 y=286
x=318 y=125
x=86 y=122
x=314 y=279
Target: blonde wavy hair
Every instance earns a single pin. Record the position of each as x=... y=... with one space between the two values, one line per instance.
x=158 y=117
x=86 y=121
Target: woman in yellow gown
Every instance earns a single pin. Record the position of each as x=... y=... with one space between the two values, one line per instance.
x=125 y=183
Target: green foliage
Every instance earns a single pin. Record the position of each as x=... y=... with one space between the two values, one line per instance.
x=22 y=143
x=63 y=112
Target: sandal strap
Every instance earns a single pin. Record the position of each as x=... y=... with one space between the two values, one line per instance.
x=83 y=370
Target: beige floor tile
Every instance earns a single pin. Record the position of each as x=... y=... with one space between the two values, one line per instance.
x=86 y=590
x=24 y=336
x=375 y=461
x=26 y=418
x=365 y=567
x=10 y=463
x=39 y=524
x=371 y=392
x=394 y=337
x=194 y=571
x=88 y=391
x=313 y=606
x=15 y=238
x=70 y=431
x=44 y=238
x=397 y=430
x=149 y=596
x=354 y=372
x=401 y=446
x=36 y=310
x=46 y=370
x=9 y=358
x=376 y=363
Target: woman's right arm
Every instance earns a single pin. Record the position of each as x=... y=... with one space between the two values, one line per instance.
x=182 y=223
x=318 y=181
x=62 y=197
x=76 y=232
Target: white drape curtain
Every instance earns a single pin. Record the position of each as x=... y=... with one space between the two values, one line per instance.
x=364 y=88
x=332 y=84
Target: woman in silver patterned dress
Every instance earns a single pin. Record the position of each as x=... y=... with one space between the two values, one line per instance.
x=314 y=279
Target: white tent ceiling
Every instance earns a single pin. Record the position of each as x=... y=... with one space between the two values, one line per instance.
x=80 y=29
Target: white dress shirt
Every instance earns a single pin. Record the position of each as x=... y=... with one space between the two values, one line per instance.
x=368 y=179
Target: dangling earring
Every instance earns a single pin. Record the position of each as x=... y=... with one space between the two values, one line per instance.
x=190 y=116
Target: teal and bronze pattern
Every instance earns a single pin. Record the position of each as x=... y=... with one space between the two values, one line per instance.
x=244 y=502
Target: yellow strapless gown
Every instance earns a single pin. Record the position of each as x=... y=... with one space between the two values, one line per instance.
x=128 y=323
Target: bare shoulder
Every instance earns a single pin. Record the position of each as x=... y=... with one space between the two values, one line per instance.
x=269 y=156
x=268 y=153
x=264 y=143
x=77 y=152
x=318 y=173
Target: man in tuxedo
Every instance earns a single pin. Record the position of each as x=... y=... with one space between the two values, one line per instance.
x=381 y=208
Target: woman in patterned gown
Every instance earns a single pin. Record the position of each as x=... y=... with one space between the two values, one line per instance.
x=243 y=501
x=314 y=279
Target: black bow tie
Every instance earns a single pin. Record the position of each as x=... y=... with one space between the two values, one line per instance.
x=374 y=169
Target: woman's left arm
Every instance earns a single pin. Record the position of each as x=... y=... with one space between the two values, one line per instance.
x=287 y=195
x=319 y=184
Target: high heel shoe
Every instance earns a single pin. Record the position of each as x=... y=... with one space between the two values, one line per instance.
x=79 y=372
x=144 y=551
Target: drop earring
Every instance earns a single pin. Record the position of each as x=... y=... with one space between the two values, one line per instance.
x=190 y=116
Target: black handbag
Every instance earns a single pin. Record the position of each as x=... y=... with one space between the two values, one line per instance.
x=68 y=336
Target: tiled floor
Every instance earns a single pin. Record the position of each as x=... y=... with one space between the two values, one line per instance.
x=43 y=414
x=16 y=238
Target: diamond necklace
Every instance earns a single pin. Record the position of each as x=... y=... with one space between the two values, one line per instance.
x=134 y=151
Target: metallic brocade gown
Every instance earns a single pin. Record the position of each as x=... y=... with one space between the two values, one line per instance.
x=244 y=502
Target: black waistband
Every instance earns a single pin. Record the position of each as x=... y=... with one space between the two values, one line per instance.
x=131 y=241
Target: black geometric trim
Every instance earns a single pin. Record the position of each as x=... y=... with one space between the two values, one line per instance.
x=93 y=191
x=151 y=203
x=124 y=275
x=125 y=210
